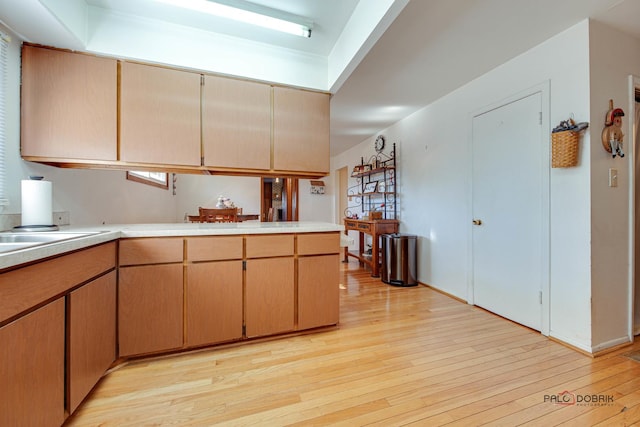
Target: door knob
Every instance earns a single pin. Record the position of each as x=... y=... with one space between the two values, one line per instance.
x=477 y=222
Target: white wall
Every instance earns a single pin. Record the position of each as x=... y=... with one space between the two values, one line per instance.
x=614 y=56
x=434 y=179
x=201 y=190
x=316 y=207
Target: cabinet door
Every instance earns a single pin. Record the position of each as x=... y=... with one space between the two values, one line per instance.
x=269 y=245
x=159 y=115
x=155 y=250
x=150 y=301
x=32 y=368
x=24 y=288
x=236 y=124
x=92 y=336
x=318 y=291
x=269 y=296
x=300 y=131
x=214 y=302
x=69 y=105
x=318 y=243
x=217 y=248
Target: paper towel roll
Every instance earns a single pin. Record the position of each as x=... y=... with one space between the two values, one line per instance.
x=37 y=205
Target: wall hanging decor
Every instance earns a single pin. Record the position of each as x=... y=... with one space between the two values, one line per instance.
x=317 y=187
x=612 y=133
x=370 y=187
x=565 y=142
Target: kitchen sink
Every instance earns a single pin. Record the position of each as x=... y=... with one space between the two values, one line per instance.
x=12 y=241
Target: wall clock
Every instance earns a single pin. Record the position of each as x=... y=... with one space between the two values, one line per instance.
x=379 y=143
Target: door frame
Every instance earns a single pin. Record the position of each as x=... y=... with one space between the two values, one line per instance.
x=342 y=184
x=544 y=90
x=290 y=190
x=633 y=329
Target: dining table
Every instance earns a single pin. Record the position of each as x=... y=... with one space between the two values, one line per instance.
x=240 y=217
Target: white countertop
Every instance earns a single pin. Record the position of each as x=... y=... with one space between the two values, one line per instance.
x=204 y=229
x=106 y=233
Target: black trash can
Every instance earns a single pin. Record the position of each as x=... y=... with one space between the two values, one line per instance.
x=399 y=259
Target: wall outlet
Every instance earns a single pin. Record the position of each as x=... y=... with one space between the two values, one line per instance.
x=61 y=218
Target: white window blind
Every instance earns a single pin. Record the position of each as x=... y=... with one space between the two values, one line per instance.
x=4 y=46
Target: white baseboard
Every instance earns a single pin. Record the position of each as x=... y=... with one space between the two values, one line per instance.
x=608 y=344
x=586 y=347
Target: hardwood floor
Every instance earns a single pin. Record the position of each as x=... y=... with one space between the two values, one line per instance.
x=401 y=356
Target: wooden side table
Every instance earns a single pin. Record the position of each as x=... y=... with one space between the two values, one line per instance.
x=374 y=228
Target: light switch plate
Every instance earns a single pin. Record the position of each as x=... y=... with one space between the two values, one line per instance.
x=613 y=177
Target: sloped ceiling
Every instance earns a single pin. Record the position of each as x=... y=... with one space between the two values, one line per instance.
x=381 y=59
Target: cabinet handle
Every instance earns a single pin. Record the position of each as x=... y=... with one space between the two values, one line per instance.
x=477 y=222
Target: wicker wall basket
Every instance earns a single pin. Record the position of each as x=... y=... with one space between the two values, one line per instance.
x=564 y=149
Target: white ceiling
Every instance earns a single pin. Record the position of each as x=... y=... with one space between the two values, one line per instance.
x=395 y=56
x=435 y=46
x=328 y=16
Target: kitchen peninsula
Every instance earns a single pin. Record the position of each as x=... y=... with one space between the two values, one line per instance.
x=71 y=310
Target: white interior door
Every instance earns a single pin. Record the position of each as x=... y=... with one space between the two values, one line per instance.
x=507 y=236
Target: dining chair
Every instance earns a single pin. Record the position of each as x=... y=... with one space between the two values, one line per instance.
x=218 y=215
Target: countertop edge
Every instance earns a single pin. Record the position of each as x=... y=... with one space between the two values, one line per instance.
x=214 y=229
x=107 y=233
x=47 y=250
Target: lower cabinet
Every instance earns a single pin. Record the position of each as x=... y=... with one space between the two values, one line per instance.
x=214 y=302
x=318 y=291
x=32 y=360
x=270 y=296
x=150 y=309
x=318 y=279
x=58 y=338
x=91 y=317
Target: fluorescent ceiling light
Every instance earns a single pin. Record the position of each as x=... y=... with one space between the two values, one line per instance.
x=249 y=13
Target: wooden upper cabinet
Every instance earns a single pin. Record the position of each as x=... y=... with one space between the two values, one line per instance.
x=300 y=130
x=159 y=115
x=236 y=123
x=80 y=110
x=69 y=105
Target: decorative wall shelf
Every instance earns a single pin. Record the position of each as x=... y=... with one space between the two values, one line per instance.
x=374 y=194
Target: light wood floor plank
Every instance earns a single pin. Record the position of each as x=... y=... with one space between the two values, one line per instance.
x=400 y=356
